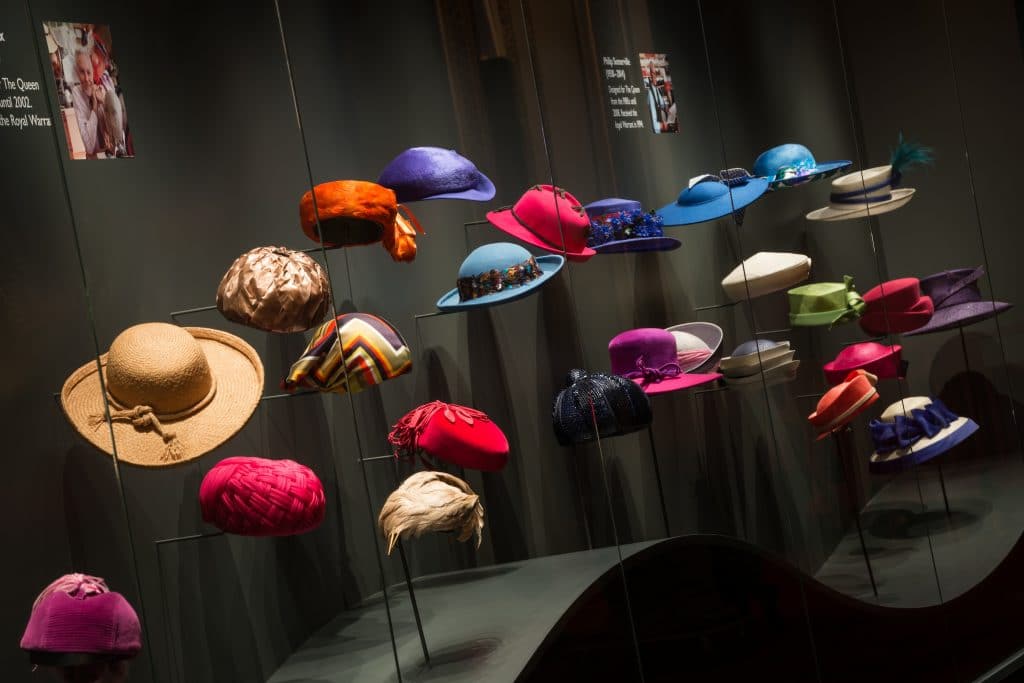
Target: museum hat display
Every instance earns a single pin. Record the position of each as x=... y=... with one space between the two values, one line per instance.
x=958 y=300
x=78 y=620
x=547 y=217
x=710 y=196
x=499 y=272
x=174 y=393
x=913 y=430
x=843 y=402
x=882 y=361
x=649 y=357
x=759 y=359
x=598 y=404
x=792 y=164
x=896 y=306
x=698 y=345
x=824 y=303
x=357 y=212
x=353 y=352
x=260 y=497
x=873 y=191
x=444 y=431
x=435 y=173
x=766 y=272
x=620 y=225
x=432 y=501
x=275 y=289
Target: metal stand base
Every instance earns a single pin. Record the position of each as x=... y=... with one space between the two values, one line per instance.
x=851 y=493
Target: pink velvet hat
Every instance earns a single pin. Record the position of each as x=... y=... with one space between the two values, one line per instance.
x=649 y=357
x=77 y=620
x=884 y=362
x=549 y=218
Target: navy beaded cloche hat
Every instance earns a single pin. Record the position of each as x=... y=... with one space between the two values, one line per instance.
x=619 y=407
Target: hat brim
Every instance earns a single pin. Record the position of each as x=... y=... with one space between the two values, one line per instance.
x=822 y=171
x=483 y=192
x=638 y=244
x=961 y=314
x=737 y=198
x=504 y=220
x=846 y=417
x=785 y=370
x=830 y=213
x=749 y=364
x=897 y=322
x=678 y=383
x=549 y=266
x=924 y=449
x=816 y=319
x=238 y=374
x=709 y=333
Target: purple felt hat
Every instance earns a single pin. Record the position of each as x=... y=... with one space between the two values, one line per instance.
x=958 y=300
x=77 y=619
x=649 y=357
x=435 y=173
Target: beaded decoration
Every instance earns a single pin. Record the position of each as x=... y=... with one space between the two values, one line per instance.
x=624 y=225
x=476 y=286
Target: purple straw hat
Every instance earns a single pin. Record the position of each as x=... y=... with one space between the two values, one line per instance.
x=648 y=356
x=435 y=173
x=77 y=620
x=958 y=300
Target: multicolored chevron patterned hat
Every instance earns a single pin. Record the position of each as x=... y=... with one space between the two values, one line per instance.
x=371 y=351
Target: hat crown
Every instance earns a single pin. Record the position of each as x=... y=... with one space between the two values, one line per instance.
x=157 y=365
x=791 y=155
x=495 y=256
x=754 y=346
x=860 y=353
x=702 y=192
x=611 y=205
x=424 y=171
x=686 y=341
x=618 y=405
x=554 y=215
x=655 y=346
x=943 y=287
x=903 y=407
x=98 y=624
x=818 y=297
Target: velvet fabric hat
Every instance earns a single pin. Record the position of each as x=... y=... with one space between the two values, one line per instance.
x=174 y=393
x=698 y=345
x=792 y=164
x=435 y=173
x=884 y=362
x=620 y=225
x=444 y=431
x=649 y=357
x=712 y=196
x=825 y=303
x=958 y=300
x=843 y=402
x=353 y=352
x=764 y=273
x=261 y=497
x=895 y=306
x=547 y=217
x=78 y=620
x=598 y=404
x=914 y=430
x=499 y=272
x=349 y=213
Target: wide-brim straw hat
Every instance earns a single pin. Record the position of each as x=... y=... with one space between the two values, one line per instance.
x=174 y=393
x=861 y=194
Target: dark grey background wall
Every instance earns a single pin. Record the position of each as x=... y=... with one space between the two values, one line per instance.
x=221 y=164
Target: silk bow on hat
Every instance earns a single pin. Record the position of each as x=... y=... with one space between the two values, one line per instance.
x=906 y=430
x=653 y=375
x=855 y=305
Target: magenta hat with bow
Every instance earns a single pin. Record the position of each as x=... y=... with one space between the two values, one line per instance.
x=649 y=357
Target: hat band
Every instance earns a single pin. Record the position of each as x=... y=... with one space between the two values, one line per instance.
x=799 y=170
x=624 y=225
x=146 y=419
x=863 y=195
x=653 y=375
x=959 y=285
x=906 y=430
x=495 y=280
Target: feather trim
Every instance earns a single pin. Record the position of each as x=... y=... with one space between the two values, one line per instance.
x=432 y=501
x=908 y=154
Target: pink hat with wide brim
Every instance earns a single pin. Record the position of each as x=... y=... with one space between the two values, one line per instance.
x=882 y=361
x=648 y=356
x=547 y=217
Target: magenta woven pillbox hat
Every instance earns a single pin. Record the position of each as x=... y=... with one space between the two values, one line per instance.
x=261 y=497
x=78 y=615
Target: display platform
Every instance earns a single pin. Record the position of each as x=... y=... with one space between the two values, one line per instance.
x=481 y=624
x=986 y=513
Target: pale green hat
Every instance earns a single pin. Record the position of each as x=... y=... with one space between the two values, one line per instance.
x=825 y=303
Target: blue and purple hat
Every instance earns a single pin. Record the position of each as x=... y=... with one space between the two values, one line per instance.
x=618 y=226
x=711 y=196
x=434 y=173
x=791 y=164
x=914 y=430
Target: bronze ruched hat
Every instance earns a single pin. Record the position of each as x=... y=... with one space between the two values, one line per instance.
x=275 y=289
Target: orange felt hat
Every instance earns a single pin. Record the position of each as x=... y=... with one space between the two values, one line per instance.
x=843 y=402
x=357 y=212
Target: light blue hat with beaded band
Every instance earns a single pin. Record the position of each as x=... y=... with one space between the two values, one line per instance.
x=497 y=273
